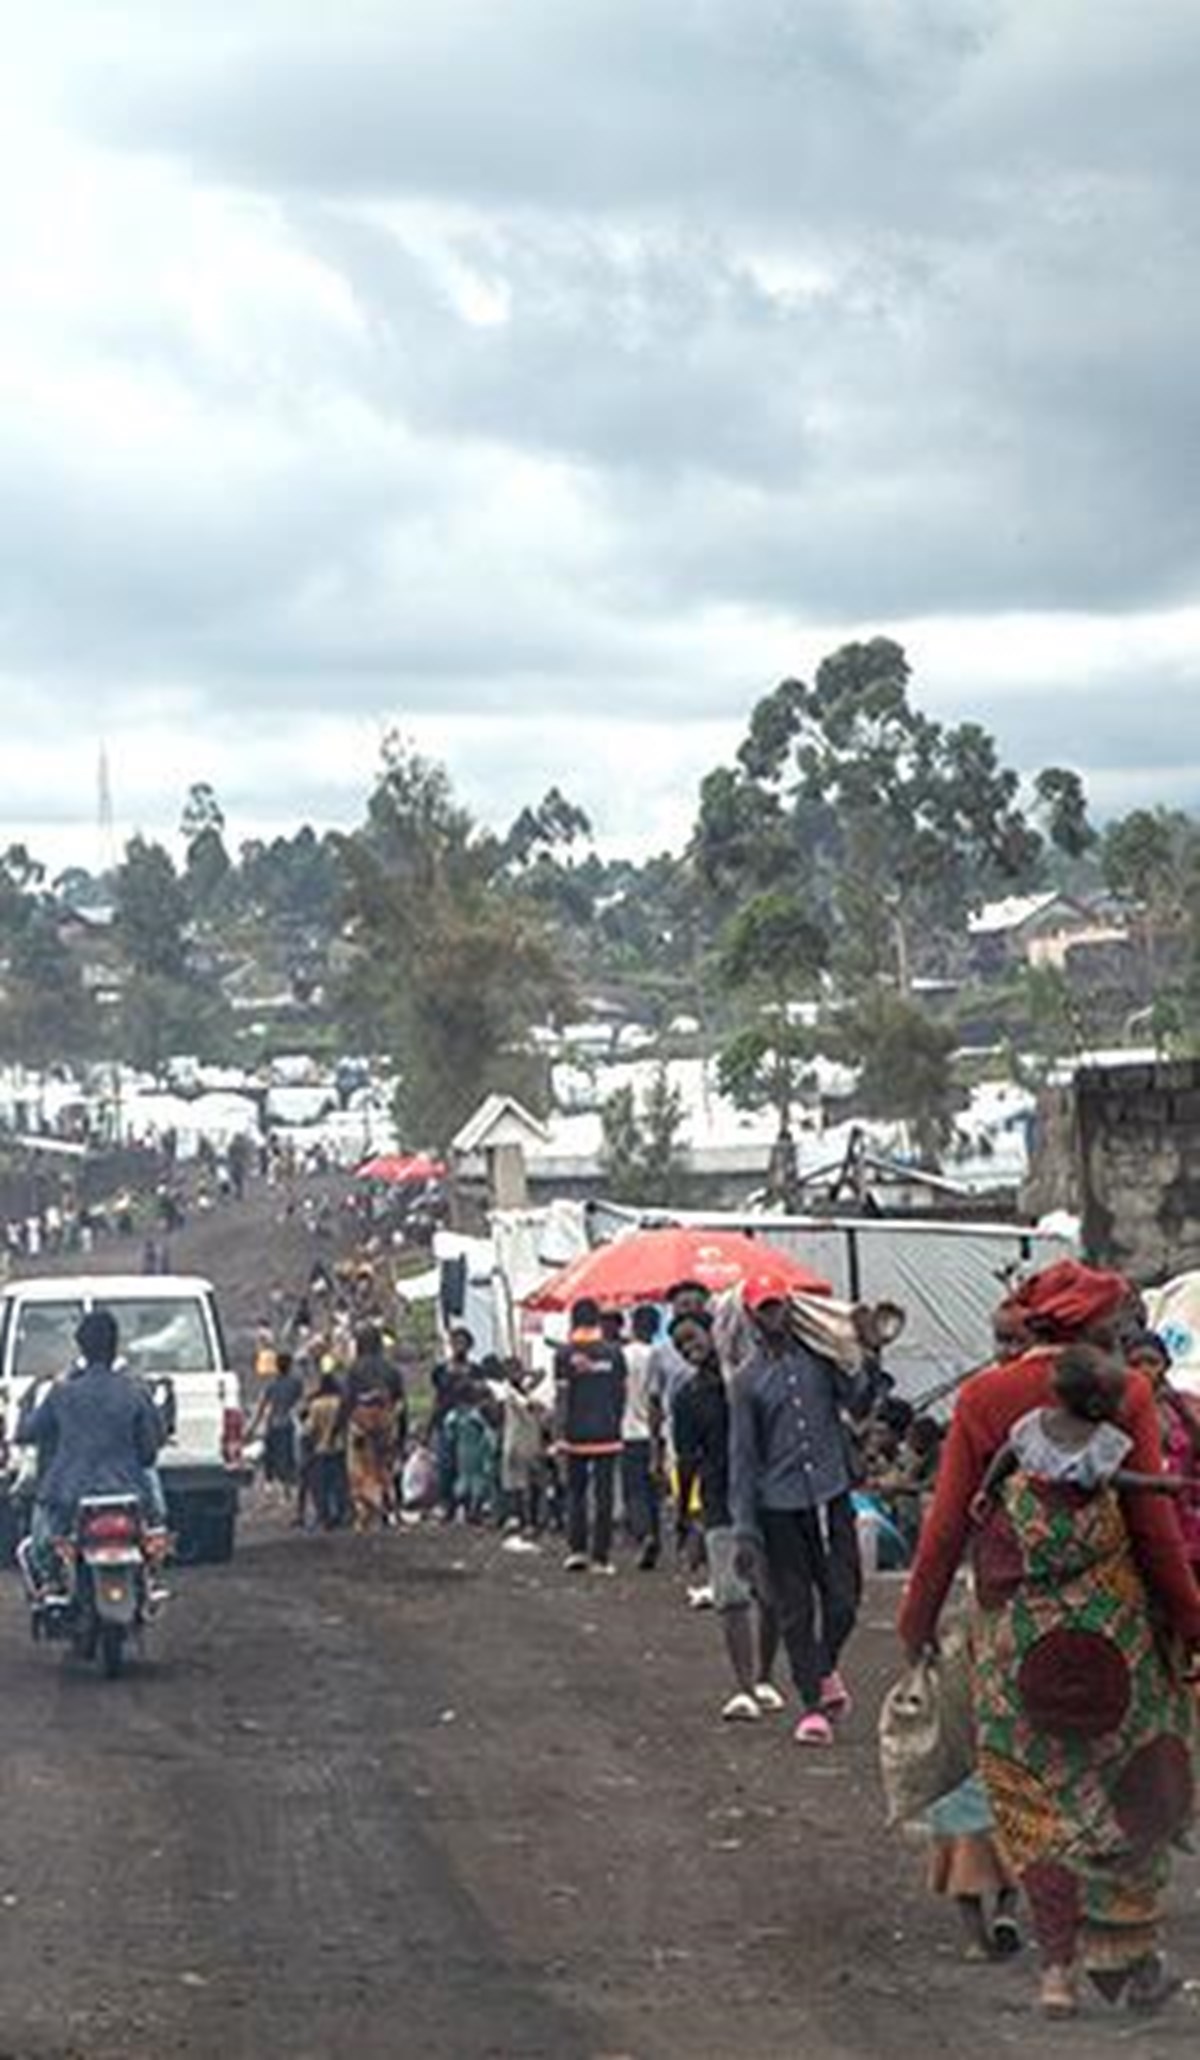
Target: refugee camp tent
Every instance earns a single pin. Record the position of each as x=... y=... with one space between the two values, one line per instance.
x=947 y=1276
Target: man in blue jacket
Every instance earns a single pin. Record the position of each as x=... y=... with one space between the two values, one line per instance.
x=98 y=1432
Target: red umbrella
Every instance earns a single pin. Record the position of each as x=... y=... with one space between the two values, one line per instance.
x=397 y=1169
x=645 y=1266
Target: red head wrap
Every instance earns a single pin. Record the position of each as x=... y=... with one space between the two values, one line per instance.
x=1068 y=1298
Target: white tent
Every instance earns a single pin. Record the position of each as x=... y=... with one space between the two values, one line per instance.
x=948 y=1277
x=220 y=1117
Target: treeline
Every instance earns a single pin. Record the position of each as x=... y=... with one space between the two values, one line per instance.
x=831 y=870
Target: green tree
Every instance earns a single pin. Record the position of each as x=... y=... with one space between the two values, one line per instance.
x=162 y=1017
x=554 y=826
x=891 y=823
x=642 y=1153
x=1141 y=855
x=453 y=964
x=201 y=811
x=207 y=864
x=539 y=852
x=1168 y=1025
x=75 y=887
x=1148 y=859
x=45 y=1011
x=294 y=884
x=1056 y=1014
x=151 y=912
x=21 y=881
x=768 y=1065
x=1145 y=856
x=166 y=1007
x=772 y=956
x=1062 y=803
x=906 y=1070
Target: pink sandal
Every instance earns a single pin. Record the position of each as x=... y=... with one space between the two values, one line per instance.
x=836 y=1699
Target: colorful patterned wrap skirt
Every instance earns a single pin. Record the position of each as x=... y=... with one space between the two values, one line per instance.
x=371 y=1454
x=1084 y=1721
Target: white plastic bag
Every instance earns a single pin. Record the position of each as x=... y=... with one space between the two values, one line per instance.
x=418 y=1482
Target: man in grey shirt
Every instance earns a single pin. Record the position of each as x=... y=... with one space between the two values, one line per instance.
x=790 y=1493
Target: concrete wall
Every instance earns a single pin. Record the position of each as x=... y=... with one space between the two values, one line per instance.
x=1137 y=1138
x=1055 y=1179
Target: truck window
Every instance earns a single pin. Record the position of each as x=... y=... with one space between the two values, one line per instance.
x=44 y=1340
x=160 y=1335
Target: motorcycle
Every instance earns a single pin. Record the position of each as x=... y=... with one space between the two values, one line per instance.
x=105 y=1594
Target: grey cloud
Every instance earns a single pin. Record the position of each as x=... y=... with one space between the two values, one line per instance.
x=986 y=402
x=1136 y=723
x=837 y=313
x=660 y=358
x=600 y=103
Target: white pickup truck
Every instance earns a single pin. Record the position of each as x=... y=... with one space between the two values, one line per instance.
x=171 y=1338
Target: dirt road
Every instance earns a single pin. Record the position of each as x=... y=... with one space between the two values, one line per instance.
x=418 y=1796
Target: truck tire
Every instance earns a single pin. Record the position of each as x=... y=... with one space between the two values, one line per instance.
x=220 y=1532
x=204 y=1525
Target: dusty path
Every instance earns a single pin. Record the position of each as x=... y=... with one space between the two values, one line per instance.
x=417 y=1796
x=418 y=1799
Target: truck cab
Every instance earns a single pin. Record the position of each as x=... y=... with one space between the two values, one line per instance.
x=171 y=1338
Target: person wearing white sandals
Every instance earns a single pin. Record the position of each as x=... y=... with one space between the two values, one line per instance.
x=790 y=1499
x=700 y=1414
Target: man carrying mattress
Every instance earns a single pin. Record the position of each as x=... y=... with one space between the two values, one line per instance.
x=790 y=1490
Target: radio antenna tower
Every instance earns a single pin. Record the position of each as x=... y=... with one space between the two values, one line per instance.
x=106 y=822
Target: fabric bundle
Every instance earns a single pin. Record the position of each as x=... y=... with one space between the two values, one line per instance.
x=846 y=1332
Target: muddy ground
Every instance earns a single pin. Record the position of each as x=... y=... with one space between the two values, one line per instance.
x=420 y=1796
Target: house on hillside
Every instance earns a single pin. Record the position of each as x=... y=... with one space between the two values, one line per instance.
x=90 y=935
x=1099 y=953
x=1031 y=929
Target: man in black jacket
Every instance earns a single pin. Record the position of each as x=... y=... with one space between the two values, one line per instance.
x=590 y=1375
x=701 y=1423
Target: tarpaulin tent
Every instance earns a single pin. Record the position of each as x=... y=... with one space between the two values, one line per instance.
x=948 y=1276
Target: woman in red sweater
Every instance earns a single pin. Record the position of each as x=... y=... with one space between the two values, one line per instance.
x=1084 y=1722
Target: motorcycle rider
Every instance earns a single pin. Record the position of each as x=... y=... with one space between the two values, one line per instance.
x=97 y=1433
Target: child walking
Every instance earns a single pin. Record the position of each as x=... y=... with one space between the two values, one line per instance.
x=966 y=1863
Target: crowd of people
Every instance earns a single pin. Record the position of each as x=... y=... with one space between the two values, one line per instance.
x=763 y=1456
x=1067 y=1477
x=635 y=1421
x=151 y=1210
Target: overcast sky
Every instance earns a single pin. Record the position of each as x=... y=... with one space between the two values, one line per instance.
x=550 y=377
